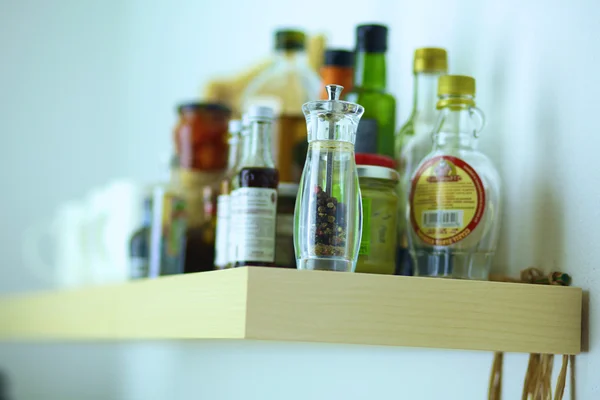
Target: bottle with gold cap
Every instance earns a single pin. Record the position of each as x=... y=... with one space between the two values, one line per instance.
x=413 y=141
x=454 y=200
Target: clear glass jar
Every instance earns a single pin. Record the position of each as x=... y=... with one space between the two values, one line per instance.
x=328 y=213
x=377 y=254
x=454 y=205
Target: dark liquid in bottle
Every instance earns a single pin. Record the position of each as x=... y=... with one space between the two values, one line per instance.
x=267 y=178
x=200 y=250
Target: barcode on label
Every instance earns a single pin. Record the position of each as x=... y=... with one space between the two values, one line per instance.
x=444 y=219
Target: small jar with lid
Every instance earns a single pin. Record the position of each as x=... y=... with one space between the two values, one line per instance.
x=378 y=180
x=201 y=143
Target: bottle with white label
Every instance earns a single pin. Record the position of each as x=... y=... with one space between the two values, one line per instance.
x=454 y=201
x=254 y=209
x=222 y=230
x=245 y=149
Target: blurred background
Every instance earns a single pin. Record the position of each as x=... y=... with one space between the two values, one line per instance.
x=88 y=91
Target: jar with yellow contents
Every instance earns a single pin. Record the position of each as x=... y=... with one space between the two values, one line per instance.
x=377 y=254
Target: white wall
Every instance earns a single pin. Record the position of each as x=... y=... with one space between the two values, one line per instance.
x=87 y=91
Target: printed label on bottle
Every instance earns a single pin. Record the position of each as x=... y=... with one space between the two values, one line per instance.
x=365 y=240
x=221 y=242
x=232 y=237
x=139 y=267
x=174 y=224
x=366 y=136
x=447 y=201
x=254 y=224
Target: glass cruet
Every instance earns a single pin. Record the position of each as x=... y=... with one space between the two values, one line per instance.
x=454 y=205
x=328 y=213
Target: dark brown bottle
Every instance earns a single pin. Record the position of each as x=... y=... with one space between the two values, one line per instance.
x=254 y=196
x=200 y=244
x=265 y=178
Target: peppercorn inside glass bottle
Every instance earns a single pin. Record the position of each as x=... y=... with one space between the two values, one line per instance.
x=328 y=213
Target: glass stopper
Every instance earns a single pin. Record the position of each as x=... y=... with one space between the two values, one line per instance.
x=334 y=91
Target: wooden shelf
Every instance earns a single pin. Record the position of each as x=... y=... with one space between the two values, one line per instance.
x=308 y=306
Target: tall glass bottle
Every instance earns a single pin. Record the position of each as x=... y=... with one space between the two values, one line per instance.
x=284 y=87
x=222 y=231
x=454 y=204
x=139 y=244
x=376 y=129
x=413 y=141
x=168 y=227
x=328 y=213
x=244 y=145
x=255 y=192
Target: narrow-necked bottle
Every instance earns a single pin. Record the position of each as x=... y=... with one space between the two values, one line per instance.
x=376 y=129
x=255 y=192
x=328 y=212
x=169 y=224
x=454 y=204
x=284 y=87
x=413 y=141
x=222 y=231
x=139 y=244
x=244 y=145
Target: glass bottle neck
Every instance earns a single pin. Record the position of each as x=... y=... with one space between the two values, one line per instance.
x=234 y=153
x=259 y=145
x=296 y=56
x=425 y=93
x=370 y=72
x=456 y=130
x=147 y=214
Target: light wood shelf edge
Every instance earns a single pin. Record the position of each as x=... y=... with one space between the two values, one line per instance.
x=416 y=312
x=173 y=307
x=308 y=306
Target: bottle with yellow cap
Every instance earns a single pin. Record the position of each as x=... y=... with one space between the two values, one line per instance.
x=413 y=141
x=454 y=200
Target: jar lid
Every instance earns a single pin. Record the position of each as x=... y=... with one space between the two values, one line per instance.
x=338 y=58
x=235 y=126
x=257 y=112
x=430 y=59
x=210 y=107
x=372 y=38
x=374 y=159
x=371 y=171
x=287 y=189
x=289 y=39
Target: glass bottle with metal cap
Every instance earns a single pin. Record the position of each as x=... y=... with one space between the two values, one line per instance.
x=454 y=201
x=413 y=141
x=254 y=196
x=284 y=87
x=328 y=213
x=223 y=203
x=375 y=133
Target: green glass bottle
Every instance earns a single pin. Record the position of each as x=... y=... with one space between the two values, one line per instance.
x=375 y=132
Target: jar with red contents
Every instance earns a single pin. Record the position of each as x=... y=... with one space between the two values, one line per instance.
x=200 y=138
